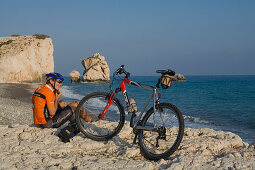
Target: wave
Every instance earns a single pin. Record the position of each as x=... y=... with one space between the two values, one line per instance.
x=68 y=93
x=196 y=120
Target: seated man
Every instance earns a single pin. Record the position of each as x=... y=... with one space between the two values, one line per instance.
x=48 y=110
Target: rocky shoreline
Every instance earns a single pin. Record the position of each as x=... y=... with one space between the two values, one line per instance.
x=27 y=147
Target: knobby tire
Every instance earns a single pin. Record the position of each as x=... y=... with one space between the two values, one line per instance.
x=174 y=132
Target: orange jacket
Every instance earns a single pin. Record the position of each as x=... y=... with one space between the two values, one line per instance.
x=43 y=97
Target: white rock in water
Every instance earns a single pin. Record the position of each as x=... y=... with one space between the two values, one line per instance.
x=74 y=76
x=178 y=77
x=96 y=68
x=25 y=59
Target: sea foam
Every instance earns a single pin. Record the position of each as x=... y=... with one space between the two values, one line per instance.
x=68 y=93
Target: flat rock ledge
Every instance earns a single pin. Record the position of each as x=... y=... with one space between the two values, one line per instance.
x=28 y=147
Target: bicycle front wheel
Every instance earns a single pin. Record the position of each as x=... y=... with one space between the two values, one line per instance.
x=168 y=129
x=104 y=128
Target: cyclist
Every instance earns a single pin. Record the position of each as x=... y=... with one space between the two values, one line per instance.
x=48 y=110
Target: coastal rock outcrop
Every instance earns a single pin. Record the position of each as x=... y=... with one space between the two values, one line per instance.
x=178 y=77
x=28 y=147
x=25 y=58
x=74 y=76
x=96 y=68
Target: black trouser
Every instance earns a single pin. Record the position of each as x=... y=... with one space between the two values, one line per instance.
x=62 y=116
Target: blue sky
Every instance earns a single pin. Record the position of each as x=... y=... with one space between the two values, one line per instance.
x=198 y=37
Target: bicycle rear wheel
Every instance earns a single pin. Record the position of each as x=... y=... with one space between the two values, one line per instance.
x=168 y=131
x=103 y=128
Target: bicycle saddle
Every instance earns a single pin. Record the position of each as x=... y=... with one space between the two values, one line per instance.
x=170 y=72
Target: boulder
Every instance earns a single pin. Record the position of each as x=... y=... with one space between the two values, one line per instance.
x=25 y=58
x=252 y=145
x=96 y=68
x=74 y=76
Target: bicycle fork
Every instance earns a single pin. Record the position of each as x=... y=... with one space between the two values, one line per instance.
x=110 y=101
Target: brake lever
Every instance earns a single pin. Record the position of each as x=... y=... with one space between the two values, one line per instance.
x=119 y=70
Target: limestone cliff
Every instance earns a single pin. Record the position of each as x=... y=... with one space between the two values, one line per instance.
x=96 y=68
x=25 y=58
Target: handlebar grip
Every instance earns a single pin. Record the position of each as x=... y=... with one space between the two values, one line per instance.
x=122 y=70
x=126 y=73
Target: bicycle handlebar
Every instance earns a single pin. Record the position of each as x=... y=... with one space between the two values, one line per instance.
x=121 y=70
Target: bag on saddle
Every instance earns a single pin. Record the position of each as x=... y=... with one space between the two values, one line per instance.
x=68 y=132
x=166 y=81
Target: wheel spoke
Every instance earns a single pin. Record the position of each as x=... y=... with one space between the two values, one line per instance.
x=105 y=128
x=150 y=143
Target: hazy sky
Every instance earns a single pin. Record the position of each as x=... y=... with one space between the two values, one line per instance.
x=198 y=37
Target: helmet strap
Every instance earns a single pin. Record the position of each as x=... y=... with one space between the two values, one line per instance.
x=55 y=90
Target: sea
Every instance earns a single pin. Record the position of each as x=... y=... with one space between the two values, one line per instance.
x=224 y=103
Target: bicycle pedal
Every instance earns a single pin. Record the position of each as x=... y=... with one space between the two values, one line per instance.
x=157 y=145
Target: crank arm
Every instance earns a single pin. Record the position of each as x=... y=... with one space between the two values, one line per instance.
x=147 y=128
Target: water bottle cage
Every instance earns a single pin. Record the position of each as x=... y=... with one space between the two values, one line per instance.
x=132 y=109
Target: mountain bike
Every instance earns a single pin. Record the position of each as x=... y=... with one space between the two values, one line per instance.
x=159 y=131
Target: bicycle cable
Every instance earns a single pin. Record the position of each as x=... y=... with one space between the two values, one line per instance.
x=113 y=79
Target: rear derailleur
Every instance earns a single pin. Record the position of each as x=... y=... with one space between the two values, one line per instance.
x=161 y=134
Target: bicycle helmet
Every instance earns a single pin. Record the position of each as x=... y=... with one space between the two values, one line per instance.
x=54 y=76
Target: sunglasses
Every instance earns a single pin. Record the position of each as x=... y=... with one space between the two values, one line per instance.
x=59 y=81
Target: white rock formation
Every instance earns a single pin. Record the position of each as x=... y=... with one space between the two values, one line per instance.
x=26 y=147
x=74 y=76
x=96 y=68
x=25 y=59
x=178 y=77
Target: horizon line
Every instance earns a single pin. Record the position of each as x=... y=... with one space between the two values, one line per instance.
x=193 y=75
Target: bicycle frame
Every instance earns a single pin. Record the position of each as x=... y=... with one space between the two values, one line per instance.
x=122 y=88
